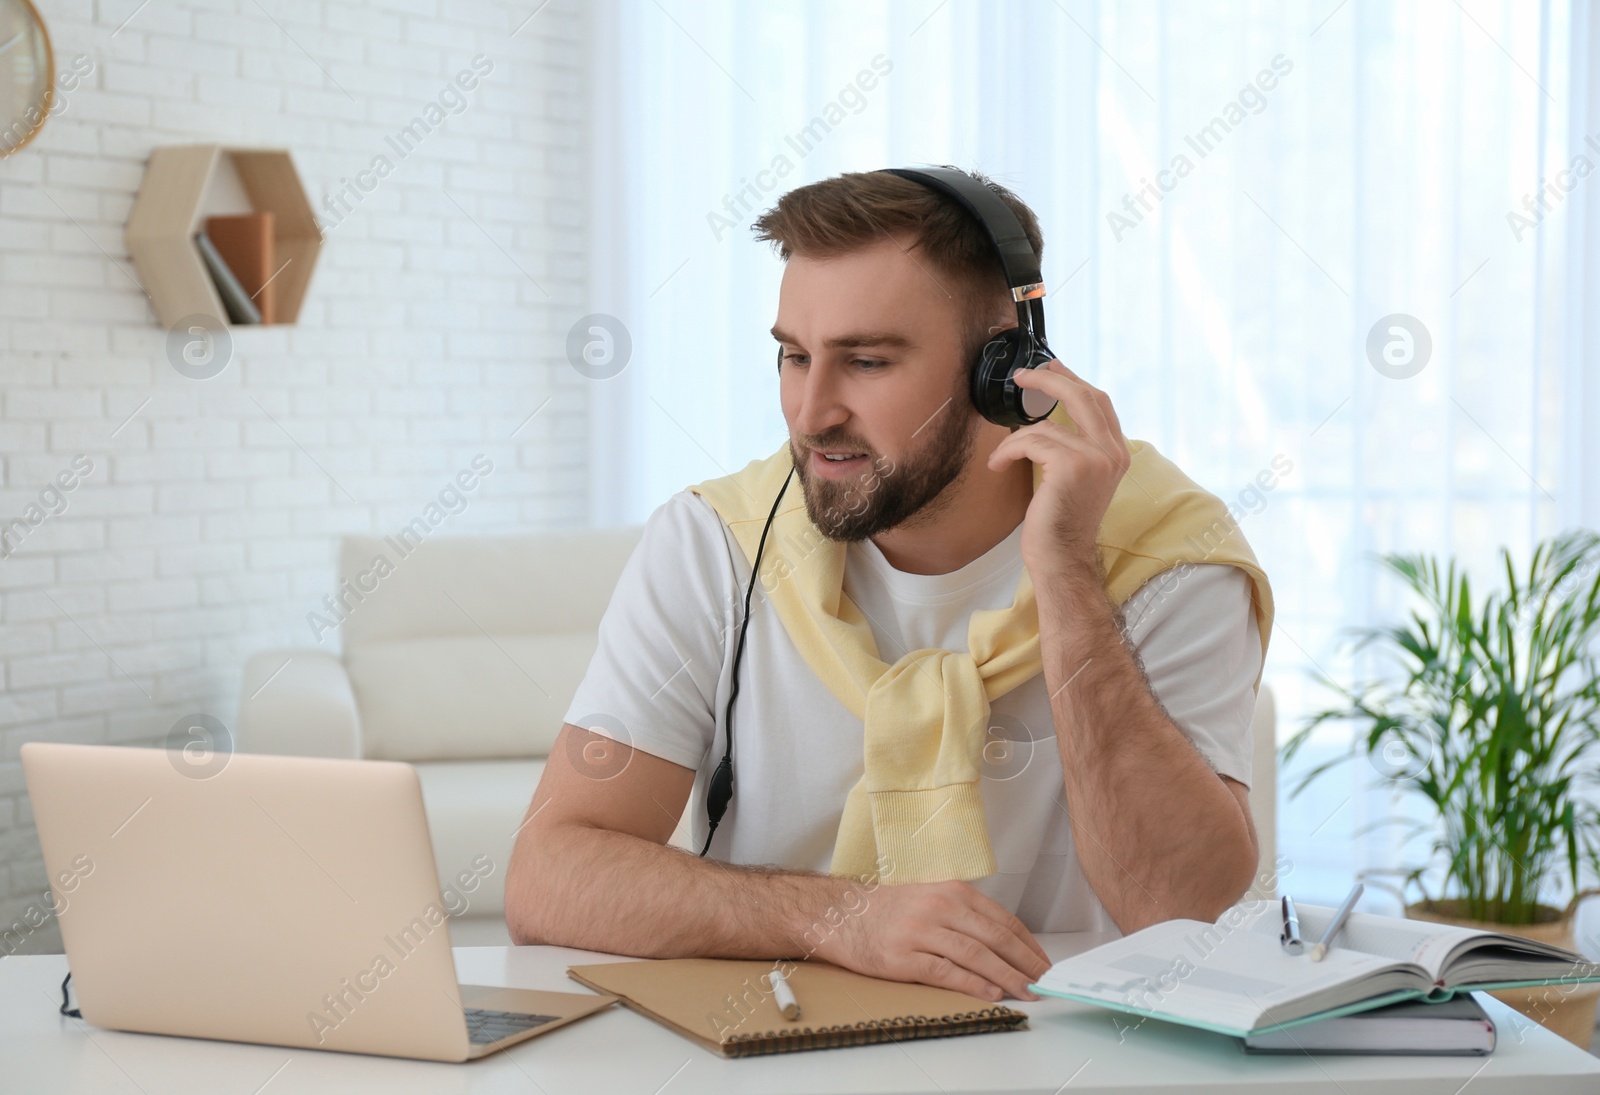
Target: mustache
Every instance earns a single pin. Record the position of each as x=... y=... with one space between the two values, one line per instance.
x=838 y=446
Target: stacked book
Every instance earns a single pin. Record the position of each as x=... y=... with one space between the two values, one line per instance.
x=1386 y=985
x=237 y=251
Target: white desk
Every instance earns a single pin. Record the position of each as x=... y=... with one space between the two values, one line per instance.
x=1071 y=1049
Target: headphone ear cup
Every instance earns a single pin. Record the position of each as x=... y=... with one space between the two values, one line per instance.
x=1032 y=404
x=991 y=376
x=994 y=390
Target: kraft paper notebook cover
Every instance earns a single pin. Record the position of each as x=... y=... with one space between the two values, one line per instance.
x=727 y=1006
x=245 y=244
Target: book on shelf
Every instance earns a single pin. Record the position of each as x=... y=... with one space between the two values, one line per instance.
x=240 y=308
x=244 y=241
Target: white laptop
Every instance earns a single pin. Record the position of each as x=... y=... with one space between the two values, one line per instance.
x=290 y=901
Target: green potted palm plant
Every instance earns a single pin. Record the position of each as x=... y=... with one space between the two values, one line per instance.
x=1494 y=719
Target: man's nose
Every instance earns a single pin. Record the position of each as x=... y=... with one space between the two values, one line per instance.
x=820 y=408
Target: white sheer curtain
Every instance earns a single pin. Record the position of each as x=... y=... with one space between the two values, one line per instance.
x=1227 y=307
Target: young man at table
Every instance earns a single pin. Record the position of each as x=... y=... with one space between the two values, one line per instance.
x=1064 y=741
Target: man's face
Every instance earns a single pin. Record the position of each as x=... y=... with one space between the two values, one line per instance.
x=871 y=345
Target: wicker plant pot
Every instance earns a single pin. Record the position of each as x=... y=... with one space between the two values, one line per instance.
x=1566 y=1009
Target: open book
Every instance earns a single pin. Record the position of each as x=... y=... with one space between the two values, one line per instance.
x=1233 y=977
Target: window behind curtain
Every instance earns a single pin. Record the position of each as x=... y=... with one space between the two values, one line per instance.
x=1326 y=166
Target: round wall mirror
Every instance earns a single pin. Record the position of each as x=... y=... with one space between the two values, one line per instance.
x=27 y=74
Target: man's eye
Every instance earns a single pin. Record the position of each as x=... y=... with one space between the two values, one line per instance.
x=867 y=363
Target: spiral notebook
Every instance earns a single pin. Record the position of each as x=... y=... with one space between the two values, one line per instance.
x=727 y=1005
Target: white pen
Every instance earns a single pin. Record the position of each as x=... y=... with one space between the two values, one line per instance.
x=785 y=995
x=1336 y=923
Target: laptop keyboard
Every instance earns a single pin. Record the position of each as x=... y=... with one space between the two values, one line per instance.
x=485 y=1026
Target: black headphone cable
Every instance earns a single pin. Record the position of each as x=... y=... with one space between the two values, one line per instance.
x=719 y=789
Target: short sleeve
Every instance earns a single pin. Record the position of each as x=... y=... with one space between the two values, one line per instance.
x=653 y=679
x=1195 y=632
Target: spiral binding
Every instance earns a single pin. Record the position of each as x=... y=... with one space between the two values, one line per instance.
x=872 y=1031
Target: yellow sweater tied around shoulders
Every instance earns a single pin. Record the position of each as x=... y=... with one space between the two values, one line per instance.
x=925 y=718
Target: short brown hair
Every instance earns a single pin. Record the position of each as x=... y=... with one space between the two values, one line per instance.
x=850 y=211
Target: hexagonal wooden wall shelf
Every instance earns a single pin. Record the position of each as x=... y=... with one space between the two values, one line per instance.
x=183 y=184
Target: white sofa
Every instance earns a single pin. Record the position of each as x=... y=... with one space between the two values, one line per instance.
x=1264 y=790
x=461 y=656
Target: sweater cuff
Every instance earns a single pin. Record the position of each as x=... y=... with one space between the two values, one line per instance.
x=932 y=835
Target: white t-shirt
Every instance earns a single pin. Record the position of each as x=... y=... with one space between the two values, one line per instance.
x=661 y=676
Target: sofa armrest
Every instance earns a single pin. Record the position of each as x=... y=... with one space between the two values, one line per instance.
x=1264 y=793
x=299 y=703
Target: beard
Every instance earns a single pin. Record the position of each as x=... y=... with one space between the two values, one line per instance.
x=889 y=492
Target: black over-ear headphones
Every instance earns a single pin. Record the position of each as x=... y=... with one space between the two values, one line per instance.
x=994 y=391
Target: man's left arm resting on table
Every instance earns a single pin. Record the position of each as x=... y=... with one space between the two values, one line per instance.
x=1160 y=834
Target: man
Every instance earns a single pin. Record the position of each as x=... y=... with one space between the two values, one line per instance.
x=1114 y=778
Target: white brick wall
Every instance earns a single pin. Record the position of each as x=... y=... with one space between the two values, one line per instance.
x=206 y=529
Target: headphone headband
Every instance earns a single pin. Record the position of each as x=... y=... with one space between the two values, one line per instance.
x=993 y=379
x=1017 y=258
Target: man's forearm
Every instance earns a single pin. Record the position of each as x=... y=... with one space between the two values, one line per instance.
x=598 y=890
x=1158 y=833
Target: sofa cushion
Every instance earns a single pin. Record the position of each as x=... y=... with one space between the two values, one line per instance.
x=474 y=808
x=551 y=582
x=466 y=697
x=298 y=703
x=474 y=811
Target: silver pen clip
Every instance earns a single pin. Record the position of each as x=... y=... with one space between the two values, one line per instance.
x=1291 y=928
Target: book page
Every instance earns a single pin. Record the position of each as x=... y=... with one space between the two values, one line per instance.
x=1450 y=955
x=1230 y=974
x=1414 y=941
